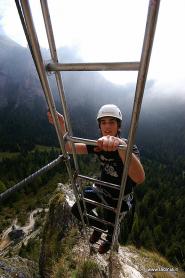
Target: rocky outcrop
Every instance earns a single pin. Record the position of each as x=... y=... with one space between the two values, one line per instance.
x=60 y=258
x=18 y=267
x=57 y=225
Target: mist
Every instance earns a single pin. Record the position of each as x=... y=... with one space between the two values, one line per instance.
x=162 y=108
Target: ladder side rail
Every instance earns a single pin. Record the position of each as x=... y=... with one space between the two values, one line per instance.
x=53 y=51
x=126 y=66
x=45 y=85
x=40 y=68
x=141 y=80
x=19 y=9
x=4 y=195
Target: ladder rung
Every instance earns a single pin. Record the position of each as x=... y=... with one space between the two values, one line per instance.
x=108 y=184
x=99 y=230
x=126 y=66
x=100 y=220
x=86 y=141
x=99 y=204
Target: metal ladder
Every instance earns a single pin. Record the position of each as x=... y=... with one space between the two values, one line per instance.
x=42 y=69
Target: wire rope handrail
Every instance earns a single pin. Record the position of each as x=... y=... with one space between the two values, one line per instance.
x=18 y=186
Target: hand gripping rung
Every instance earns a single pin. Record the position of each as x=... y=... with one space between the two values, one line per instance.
x=88 y=141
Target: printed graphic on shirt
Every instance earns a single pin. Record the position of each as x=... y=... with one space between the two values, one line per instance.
x=108 y=166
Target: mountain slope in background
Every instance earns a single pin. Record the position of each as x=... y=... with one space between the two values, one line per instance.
x=23 y=107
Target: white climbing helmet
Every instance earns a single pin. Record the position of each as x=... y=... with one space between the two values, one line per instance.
x=109 y=110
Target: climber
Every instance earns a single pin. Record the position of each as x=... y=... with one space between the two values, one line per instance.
x=112 y=159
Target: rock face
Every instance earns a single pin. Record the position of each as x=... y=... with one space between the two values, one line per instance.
x=19 y=83
x=57 y=225
x=18 y=267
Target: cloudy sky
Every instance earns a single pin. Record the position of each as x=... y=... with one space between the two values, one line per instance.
x=111 y=30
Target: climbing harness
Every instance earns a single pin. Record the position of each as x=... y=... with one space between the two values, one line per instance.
x=55 y=67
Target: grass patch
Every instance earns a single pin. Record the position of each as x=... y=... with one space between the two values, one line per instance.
x=71 y=265
x=153 y=260
x=42 y=148
x=8 y=155
x=88 y=268
x=155 y=257
x=66 y=263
